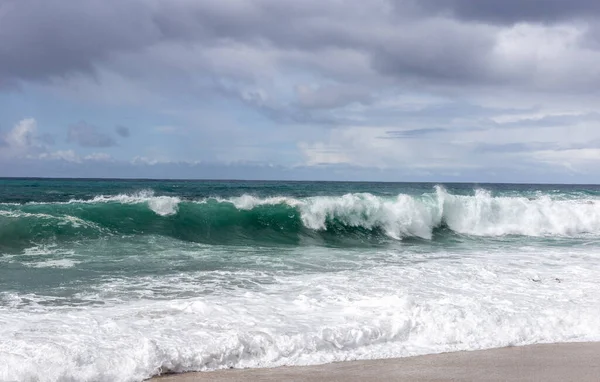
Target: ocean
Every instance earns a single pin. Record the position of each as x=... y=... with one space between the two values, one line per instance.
x=120 y=280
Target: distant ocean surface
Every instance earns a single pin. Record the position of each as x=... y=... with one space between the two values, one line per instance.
x=111 y=280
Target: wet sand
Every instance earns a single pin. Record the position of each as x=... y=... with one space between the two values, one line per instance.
x=548 y=362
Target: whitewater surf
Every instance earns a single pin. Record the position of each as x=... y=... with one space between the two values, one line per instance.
x=123 y=280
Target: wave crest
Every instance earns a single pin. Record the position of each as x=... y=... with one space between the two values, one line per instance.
x=361 y=216
x=480 y=214
x=486 y=215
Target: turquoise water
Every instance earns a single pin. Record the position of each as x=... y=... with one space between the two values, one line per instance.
x=121 y=280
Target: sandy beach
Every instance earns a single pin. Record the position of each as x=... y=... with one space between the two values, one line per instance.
x=546 y=362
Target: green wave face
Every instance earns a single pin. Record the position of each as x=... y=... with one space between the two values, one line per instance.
x=211 y=222
x=347 y=220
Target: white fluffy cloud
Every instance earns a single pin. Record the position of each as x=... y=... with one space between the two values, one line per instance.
x=23 y=142
x=22 y=139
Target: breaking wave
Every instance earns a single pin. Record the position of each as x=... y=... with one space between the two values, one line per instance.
x=358 y=217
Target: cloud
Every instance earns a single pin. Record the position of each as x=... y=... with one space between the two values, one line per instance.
x=24 y=144
x=23 y=134
x=348 y=153
x=53 y=38
x=58 y=167
x=317 y=63
x=98 y=157
x=424 y=40
x=514 y=11
x=123 y=131
x=23 y=139
x=573 y=159
x=87 y=135
x=64 y=155
x=382 y=84
x=332 y=96
x=459 y=143
x=412 y=133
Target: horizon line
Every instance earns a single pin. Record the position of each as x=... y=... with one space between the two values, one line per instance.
x=281 y=180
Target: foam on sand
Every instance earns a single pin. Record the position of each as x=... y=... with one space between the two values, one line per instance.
x=549 y=363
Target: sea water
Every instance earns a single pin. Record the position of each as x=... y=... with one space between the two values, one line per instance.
x=112 y=280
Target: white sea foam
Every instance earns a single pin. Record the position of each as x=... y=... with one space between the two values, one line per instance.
x=399 y=217
x=480 y=214
x=161 y=205
x=484 y=215
x=462 y=303
x=164 y=205
x=56 y=263
x=248 y=202
x=404 y=215
x=59 y=220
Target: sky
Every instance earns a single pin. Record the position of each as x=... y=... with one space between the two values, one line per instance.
x=379 y=90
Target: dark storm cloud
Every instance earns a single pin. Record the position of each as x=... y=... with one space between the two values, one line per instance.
x=403 y=42
x=514 y=11
x=440 y=51
x=122 y=131
x=401 y=45
x=88 y=136
x=45 y=38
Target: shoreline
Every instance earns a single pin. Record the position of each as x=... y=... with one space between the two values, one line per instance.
x=575 y=361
